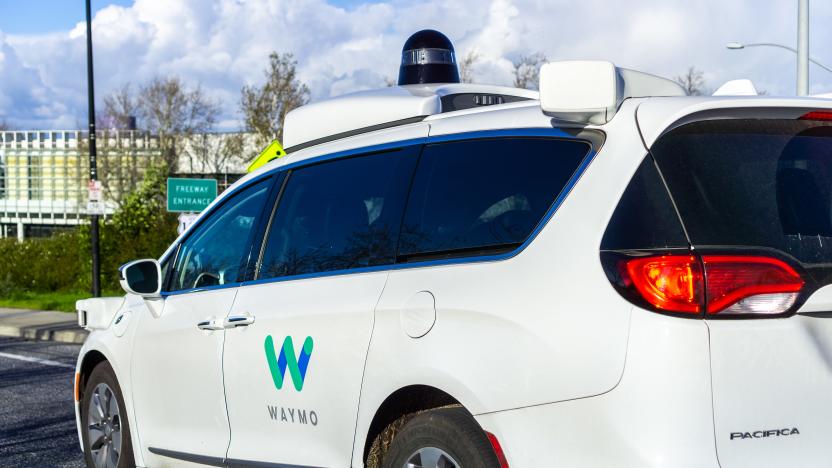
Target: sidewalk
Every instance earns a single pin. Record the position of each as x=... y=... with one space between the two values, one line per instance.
x=41 y=325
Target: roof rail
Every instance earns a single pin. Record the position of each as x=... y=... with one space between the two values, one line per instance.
x=590 y=92
x=366 y=111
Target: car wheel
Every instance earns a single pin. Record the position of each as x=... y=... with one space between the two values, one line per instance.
x=104 y=427
x=441 y=438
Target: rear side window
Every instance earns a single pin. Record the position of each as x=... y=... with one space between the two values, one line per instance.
x=484 y=196
x=644 y=218
x=339 y=214
x=753 y=183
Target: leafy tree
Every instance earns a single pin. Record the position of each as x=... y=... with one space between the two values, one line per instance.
x=141 y=228
x=265 y=107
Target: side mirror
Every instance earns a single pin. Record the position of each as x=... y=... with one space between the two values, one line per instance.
x=580 y=91
x=590 y=92
x=142 y=277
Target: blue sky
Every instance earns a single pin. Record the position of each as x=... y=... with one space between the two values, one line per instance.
x=44 y=16
x=349 y=45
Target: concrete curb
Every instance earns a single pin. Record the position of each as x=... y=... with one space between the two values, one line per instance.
x=41 y=325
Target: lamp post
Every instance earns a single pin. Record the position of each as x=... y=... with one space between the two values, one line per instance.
x=96 y=263
x=738 y=46
x=802 y=50
x=802 y=47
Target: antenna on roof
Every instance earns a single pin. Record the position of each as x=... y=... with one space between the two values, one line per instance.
x=428 y=57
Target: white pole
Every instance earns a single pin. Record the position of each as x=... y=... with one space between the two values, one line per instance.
x=803 y=47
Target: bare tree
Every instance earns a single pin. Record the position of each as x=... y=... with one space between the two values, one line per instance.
x=693 y=82
x=265 y=107
x=4 y=125
x=527 y=70
x=466 y=66
x=174 y=112
x=121 y=109
x=215 y=151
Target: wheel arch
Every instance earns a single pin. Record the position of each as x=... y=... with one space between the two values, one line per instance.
x=407 y=400
x=91 y=359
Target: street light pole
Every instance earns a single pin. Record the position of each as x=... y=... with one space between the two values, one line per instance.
x=803 y=47
x=738 y=46
x=96 y=263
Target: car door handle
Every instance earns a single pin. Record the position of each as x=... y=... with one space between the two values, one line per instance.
x=235 y=321
x=212 y=324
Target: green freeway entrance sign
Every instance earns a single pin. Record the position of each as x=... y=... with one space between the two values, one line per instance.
x=190 y=194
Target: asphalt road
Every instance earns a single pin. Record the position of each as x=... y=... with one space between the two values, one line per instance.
x=37 y=419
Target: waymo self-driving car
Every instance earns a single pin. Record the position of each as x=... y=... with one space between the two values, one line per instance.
x=604 y=273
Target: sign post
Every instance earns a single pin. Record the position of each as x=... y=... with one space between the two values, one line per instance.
x=95 y=200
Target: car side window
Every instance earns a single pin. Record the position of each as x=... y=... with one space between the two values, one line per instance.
x=339 y=214
x=478 y=197
x=214 y=253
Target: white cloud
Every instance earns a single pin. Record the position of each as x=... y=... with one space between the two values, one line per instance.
x=224 y=44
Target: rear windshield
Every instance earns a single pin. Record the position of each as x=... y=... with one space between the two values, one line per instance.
x=753 y=183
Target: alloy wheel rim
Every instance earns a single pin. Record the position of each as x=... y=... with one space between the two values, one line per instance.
x=430 y=457
x=104 y=427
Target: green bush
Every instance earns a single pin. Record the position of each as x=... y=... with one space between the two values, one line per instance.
x=48 y=264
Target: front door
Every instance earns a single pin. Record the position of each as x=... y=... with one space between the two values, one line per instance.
x=176 y=370
x=293 y=373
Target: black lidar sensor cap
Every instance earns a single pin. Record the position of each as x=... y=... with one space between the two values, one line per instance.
x=428 y=57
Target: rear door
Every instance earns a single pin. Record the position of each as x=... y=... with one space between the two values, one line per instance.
x=763 y=188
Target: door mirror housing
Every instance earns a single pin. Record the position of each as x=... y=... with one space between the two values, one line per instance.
x=142 y=277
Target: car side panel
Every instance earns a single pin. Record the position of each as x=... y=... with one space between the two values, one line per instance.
x=118 y=351
x=541 y=327
x=659 y=415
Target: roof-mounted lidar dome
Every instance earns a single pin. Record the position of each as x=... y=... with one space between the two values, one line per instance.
x=428 y=57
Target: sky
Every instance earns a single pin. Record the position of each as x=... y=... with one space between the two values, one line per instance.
x=349 y=45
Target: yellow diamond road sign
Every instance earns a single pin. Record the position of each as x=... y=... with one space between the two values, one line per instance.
x=273 y=151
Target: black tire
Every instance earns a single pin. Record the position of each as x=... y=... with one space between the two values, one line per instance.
x=103 y=374
x=452 y=430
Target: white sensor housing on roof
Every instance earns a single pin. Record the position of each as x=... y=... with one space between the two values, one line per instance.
x=741 y=87
x=367 y=110
x=590 y=92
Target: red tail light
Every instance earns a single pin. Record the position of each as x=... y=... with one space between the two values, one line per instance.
x=670 y=282
x=728 y=284
x=732 y=279
x=817 y=115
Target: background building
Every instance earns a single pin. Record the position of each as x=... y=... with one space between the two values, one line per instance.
x=44 y=174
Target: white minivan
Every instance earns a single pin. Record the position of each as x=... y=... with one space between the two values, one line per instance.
x=604 y=274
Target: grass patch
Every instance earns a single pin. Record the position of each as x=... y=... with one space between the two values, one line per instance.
x=63 y=301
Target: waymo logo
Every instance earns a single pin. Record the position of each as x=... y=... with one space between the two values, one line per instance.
x=286 y=358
